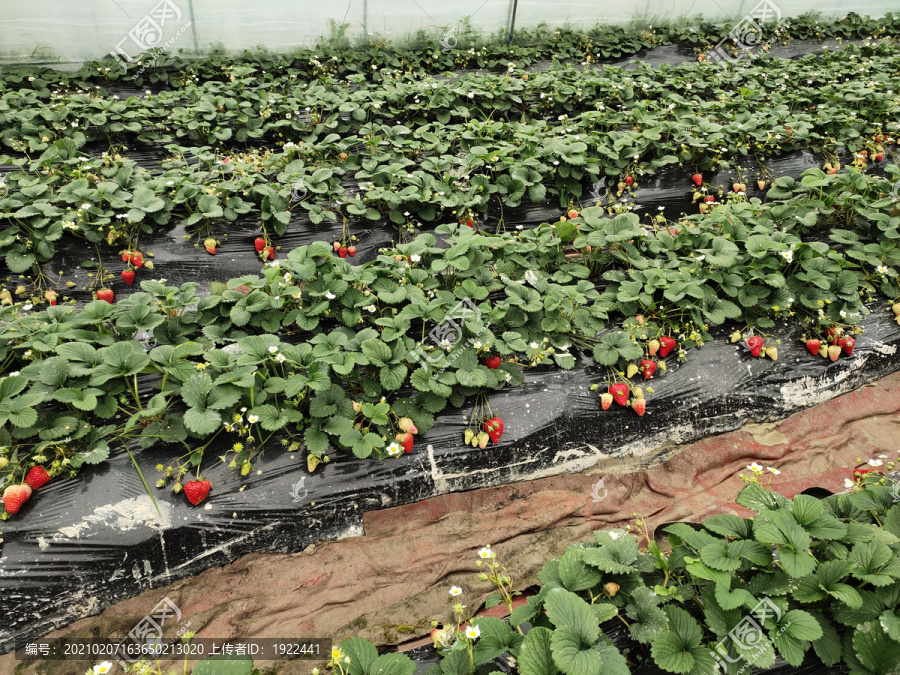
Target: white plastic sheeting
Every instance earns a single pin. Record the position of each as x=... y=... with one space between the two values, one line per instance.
x=67 y=33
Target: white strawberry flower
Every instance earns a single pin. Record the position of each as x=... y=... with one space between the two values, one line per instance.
x=273 y=349
x=534 y=345
x=370 y=308
x=280 y=358
x=773 y=470
x=415 y=258
x=253 y=419
x=472 y=632
x=848 y=483
x=486 y=553
x=874 y=462
x=881 y=269
x=330 y=295
x=394 y=449
x=104 y=667
x=755 y=468
x=455 y=590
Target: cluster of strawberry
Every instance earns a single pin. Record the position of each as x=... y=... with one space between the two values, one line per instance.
x=492 y=431
x=840 y=343
x=756 y=345
x=135 y=261
x=619 y=392
x=407 y=431
x=266 y=251
x=626 y=182
x=343 y=250
x=492 y=428
x=16 y=495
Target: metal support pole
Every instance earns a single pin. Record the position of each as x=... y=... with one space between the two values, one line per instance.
x=194 y=27
x=512 y=22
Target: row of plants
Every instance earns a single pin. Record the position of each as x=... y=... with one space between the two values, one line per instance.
x=802 y=579
x=459 y=47
x=326 y=355
x=446 y=167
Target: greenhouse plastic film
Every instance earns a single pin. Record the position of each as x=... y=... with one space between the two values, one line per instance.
x=65 y=33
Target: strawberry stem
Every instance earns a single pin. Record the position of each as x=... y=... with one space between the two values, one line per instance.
x=146 y=487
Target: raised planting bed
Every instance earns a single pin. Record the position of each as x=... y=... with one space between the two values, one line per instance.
x=470 y=354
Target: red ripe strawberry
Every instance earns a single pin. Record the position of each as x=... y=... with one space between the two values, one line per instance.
x=210 y=246
x=619 y=393
x=342 y=251
x=137 y=259
x=126 y=256
x=813 y=346
x=196 y=490
x=639 y=405
x=351 y=251
x=847 y=343
x=698 y=179
x=492 y=362
x=14 y=496
x=834 y=332
x=666 y=345
x=572 y=214
x=629 y=180
x=259 y=243
x=50 y=296
x=271 y=253
x=494 y=429
x=710 y=199
x=648 y=367
x=755 y=344
x=128 y=276
x=37 y=477
x=106 y=294
x=406 y=440
x=470 y=222
x=879 y=157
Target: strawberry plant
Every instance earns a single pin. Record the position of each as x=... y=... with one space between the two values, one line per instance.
x=814 y=577
x=328 y=356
